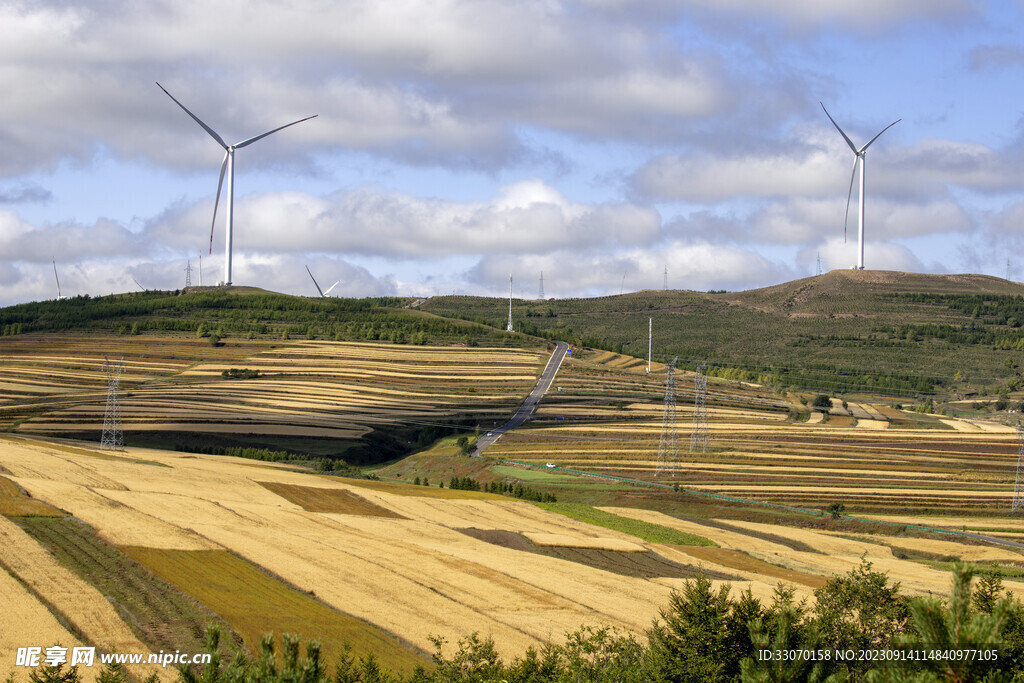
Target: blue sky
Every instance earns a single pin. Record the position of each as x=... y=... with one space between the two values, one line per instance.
x=598 y=141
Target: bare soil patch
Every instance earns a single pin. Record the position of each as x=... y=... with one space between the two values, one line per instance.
x=645 y=565
x=738 y=559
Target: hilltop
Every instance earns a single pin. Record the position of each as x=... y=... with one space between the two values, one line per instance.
x=885 y=332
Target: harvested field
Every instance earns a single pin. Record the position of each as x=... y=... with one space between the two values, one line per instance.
x=341 y=501
x=24 y=620
x=328 y=390
x=433 y=579
x=255 y=603
x=157 y=614
x=89 y=612
x=608 y=421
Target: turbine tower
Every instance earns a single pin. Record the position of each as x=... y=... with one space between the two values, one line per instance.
x=859 y=157
x=229 y=165
x=59 y=297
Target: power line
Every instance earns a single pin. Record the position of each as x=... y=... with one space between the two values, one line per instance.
x=1018 y=493
x=668 y=446
x=699 y=433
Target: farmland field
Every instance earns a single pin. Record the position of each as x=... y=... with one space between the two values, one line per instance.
x=321 y=398
x=386 y=564
x=608 y=420
x=397 y=562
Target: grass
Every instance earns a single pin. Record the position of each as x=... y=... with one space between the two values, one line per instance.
x=14 y=502
x=159 y=614
x=652 y=533
x=255 y=603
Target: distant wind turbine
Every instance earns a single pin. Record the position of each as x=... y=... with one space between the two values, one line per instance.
x=229 y=165
x=59 y=297
x=859 y=157
x=322 y=292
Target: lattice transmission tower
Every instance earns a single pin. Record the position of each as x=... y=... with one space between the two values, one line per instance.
x=113 y=436
x=668 y=446
x=540 y=294
x=188 y=274
x=699 y=433
x=1018 y=487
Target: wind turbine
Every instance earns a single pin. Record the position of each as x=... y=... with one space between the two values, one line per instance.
x=229 y=165
x=861 y=159
x=59 y=297
x=322 y=292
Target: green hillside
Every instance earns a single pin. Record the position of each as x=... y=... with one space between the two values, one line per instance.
x=899 y=334
x=888 y=333
x=248 y=313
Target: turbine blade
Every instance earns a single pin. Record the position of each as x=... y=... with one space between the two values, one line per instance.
x=216 y=202
x=865 y=147
x=314 y=282
x=332 y=287
x=271 y=132
x=195 y=118
x=849 y=195
x=845 y=137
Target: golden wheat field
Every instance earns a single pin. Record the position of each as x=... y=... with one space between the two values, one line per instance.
x=336 y=390
x=871 y=457
x=400 y=560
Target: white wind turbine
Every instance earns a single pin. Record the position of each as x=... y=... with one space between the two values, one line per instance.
x=317 y=285
x=229 y=165
x=858 y=158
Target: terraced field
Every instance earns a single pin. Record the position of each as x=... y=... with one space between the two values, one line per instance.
x=331 y=391
x=607 y=418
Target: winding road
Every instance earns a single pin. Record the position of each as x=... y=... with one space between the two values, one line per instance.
x=526 y=410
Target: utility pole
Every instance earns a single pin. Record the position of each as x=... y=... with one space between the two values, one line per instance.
x=650 y=341
x=510 y=302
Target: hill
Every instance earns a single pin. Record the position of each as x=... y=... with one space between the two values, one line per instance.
x=891 y=333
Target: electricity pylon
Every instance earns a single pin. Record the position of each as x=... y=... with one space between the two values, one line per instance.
x=113 y=435
x=699 y=433
x=668 y=446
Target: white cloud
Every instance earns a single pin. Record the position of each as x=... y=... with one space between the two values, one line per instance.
x=528 y=216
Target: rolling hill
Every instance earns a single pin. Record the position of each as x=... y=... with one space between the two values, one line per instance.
x=891 y=333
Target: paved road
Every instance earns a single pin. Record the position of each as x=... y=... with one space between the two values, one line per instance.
x=526 y=410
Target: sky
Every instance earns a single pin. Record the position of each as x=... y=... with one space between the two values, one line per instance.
x=596 y=143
